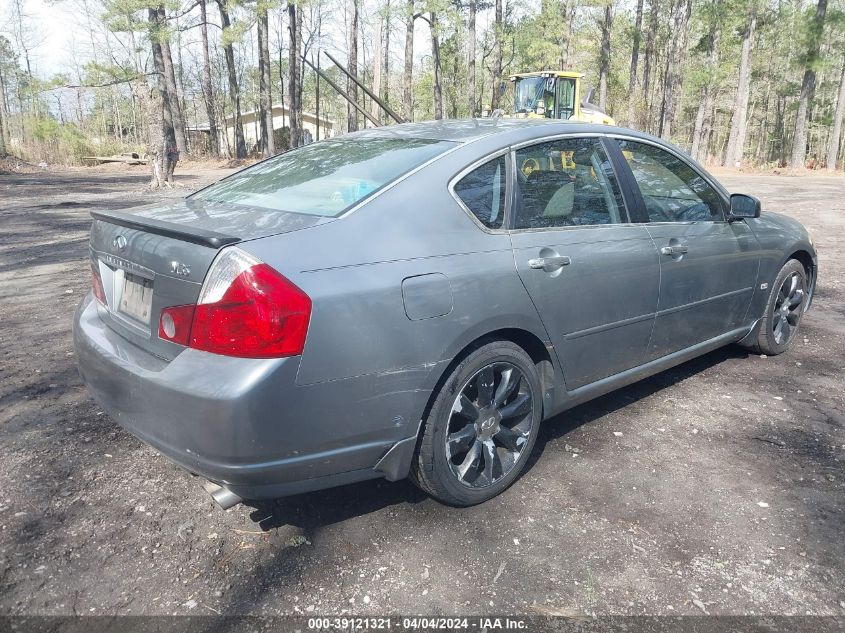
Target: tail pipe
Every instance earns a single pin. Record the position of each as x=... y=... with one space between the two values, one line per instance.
x=223 y=497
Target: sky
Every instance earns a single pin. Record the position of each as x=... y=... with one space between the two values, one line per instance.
x=57 y=30
x=50 y=33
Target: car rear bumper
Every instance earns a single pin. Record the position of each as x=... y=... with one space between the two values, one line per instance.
x=245 y=423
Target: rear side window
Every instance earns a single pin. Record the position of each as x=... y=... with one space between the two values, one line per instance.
x=325 y=178
x=483 y=192
x=568 y=182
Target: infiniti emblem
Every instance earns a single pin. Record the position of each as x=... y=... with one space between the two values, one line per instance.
x=119 y=243
x=488 y=423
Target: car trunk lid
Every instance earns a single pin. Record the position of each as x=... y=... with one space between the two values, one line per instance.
x=157 y=256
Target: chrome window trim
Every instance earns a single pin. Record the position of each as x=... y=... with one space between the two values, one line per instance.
x=578 y=227
x=508 y=189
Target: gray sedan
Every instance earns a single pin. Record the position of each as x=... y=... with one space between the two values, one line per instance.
x=416 y=300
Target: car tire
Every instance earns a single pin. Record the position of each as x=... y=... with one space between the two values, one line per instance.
x=470 y=452
x=784 y=308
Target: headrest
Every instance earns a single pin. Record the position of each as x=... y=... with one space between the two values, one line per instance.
x=583 y=156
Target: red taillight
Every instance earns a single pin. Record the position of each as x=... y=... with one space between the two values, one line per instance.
x=97 y=285
x=245 y=309
x=260 y=315
x=175 y=324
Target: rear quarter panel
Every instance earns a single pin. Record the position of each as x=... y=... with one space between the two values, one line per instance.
x=353 y=270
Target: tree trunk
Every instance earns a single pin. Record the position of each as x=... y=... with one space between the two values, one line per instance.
x=648 y=62
x=152 y=112
x=3 y=152
x=4 y=116
x=471 y=101
x=161 y=137
x=282 y=75
x=635 y=59
x=707 y=96
x=4 y=113
x=375 y=109
x=763 y=133
x=808 y=88
x=264 y=92
x=234 y=89
x=836 y=129
x=385 y=60
x=180 y=81
x=294 y=74
x=435 y=53
x=408 y=76
x=701 y=151
x=674 y=66
x=568 y=11
x=207 y=86
x=698 y=127
x=4 y=108
x=117 y=124
x=452 y=95
x=498 y=26
x=351 y=87
x=172 y=93
x=736 y=140
x=604 y=60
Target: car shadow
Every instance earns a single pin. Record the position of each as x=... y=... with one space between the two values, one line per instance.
x=311 y=511
x=564 y=423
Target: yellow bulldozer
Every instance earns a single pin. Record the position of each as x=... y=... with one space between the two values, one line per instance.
x=554 y=94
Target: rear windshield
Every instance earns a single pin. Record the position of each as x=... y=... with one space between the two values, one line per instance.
x=324 y=178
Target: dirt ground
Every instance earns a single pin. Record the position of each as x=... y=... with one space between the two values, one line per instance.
x=714 y=487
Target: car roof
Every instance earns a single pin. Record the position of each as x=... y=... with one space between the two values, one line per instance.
x=468 y=130
x=515 y=131
x=568 y=74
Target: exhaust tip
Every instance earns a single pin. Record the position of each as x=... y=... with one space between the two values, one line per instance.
x=223 y=497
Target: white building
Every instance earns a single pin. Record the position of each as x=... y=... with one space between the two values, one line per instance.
x=252 y=127
x=281 y=119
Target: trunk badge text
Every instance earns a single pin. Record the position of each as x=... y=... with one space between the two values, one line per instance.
x=178 y=268
x=119 y=243
x=118 y=262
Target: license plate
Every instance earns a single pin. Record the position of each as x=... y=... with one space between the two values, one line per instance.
x=136 y=299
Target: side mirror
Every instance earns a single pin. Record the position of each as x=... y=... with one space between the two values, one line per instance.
x=743 y=206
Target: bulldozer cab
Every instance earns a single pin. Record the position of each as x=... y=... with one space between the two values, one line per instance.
x=554 y=94
x=545 y=95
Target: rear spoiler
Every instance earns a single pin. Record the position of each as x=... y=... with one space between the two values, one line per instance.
x=210 y=239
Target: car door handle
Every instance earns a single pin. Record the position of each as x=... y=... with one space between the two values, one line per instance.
x=549 y=263
x=672 y=251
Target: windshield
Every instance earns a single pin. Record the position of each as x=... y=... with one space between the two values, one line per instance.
x=534 y=94
x=324 y=178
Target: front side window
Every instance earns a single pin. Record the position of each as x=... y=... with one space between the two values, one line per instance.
x=324 y=178
x=565 y=98
x=483 y=192
x=568 y=182
x=671 y=189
